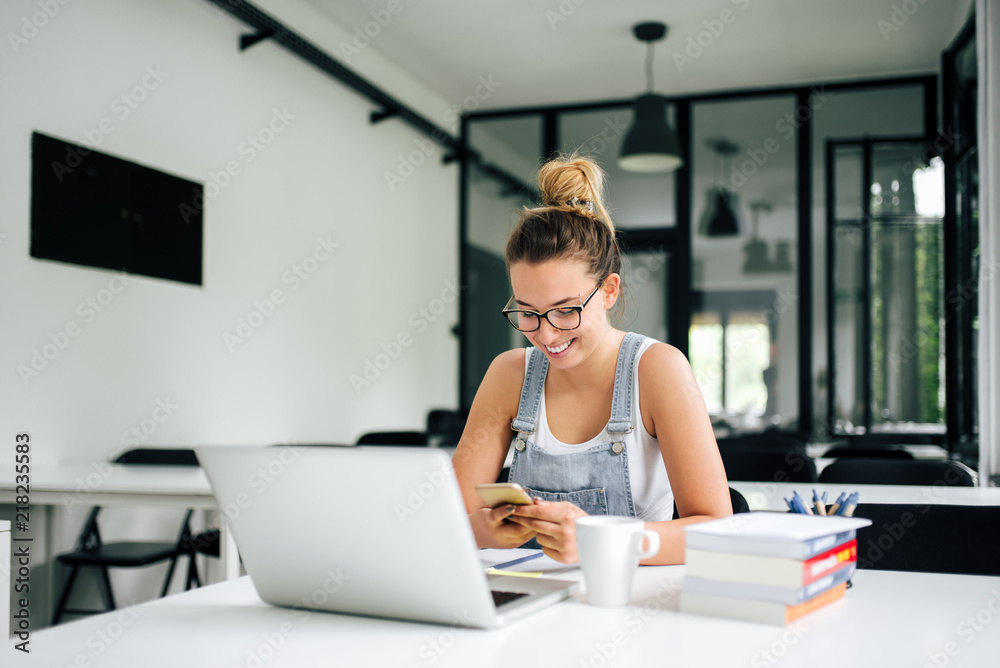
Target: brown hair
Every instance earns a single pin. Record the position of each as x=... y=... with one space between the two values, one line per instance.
x=572 y=223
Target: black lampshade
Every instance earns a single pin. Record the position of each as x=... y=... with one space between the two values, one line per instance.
x=723 y=221
x=757 y=261
x=650 y=144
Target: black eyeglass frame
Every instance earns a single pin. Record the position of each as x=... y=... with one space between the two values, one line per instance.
x=576 y=307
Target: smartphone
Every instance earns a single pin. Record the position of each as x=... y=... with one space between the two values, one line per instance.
x=499 y=493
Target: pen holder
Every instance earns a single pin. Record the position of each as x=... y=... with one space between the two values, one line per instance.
x=828 y=507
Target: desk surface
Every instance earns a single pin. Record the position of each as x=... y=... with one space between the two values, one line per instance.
x=107 y=484
x=887 y=619
x=771 y=495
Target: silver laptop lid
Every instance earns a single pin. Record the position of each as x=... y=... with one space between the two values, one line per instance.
x=363 y=530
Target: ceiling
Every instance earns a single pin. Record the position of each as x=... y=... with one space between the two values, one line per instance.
x=565 y=51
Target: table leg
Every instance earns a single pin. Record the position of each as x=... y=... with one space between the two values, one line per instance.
x=229 y=556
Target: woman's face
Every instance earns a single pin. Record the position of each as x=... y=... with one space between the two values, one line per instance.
x=557 y=283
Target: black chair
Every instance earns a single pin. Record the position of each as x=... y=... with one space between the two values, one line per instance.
x=445 y=427
x=888 y=452
x=879 y=440
x=416 y=438
x=897 y=472
x=740 y=504
x=766 y=465
x=936 y=538
x=91 y=551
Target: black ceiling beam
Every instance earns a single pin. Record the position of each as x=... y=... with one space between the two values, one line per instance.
x=292 y=41
x=268 y=27
x=249 y=39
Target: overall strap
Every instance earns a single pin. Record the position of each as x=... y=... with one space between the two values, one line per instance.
x=621 y=403
x=531 y=395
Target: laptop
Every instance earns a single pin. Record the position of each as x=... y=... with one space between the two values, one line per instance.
x=377 y=530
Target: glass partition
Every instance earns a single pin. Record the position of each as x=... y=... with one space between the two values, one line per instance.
x=887 y=283
x=838 y=115
x=744 y=336
x=511 y=145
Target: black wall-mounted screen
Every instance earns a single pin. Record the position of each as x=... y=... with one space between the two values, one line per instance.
x=94 y=209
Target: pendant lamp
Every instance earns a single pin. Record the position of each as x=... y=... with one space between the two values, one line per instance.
x=757 y=261
x=650 y=145
x=720 y=215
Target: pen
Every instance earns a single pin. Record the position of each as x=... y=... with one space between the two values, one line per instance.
x=836 y=504
x=514 y=562
x=850 y=505
x=819 y=503
x=519 y=574
x=803 y=507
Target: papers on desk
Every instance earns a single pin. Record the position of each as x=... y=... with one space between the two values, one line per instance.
x=542 y=565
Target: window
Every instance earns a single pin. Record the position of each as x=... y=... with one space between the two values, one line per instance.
x=733 y=353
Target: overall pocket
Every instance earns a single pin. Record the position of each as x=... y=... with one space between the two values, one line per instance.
x=591 y=501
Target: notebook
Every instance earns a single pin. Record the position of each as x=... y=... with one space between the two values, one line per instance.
x=379 y=531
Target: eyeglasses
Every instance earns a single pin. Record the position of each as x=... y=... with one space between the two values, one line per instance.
x=560 y=317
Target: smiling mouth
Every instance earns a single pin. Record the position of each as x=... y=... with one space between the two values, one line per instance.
x=559 y=349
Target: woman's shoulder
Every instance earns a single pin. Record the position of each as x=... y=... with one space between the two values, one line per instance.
x=508 y=367
x=663 y=364
x=501 y=387
x=656 y=353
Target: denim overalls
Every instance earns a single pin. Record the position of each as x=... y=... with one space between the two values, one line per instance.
x=596 y=479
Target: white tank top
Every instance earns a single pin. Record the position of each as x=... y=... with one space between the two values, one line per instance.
x=651 y=492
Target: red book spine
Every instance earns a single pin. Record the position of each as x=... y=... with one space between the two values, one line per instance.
x=829 y=561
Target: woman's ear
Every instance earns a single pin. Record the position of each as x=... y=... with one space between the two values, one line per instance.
x=611 y=289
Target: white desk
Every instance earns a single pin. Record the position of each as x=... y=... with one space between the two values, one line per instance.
x=104 y=484
x=919 y=451
x=771 y=495
x=887 y=619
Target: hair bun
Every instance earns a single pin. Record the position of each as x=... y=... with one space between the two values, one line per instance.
x=563 y=180
x=576 y=183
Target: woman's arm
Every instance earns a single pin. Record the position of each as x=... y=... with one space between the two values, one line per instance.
x=483 y=448
x=673 y=411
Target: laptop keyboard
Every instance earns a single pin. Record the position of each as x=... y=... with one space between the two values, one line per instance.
x=501 y=597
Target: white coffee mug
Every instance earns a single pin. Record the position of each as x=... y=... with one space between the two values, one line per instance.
x=610 y=548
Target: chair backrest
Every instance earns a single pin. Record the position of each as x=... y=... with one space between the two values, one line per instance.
x=771 y=439
x=888 y=452
x=881 y=440
x=444 y=421
x=897 y=472
x=393 y=438
x=159 y=456
x=767 y=465
x=936 y=538
x=740 y=504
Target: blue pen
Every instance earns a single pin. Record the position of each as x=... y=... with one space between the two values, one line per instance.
x=819 y=503
x=850 y=505
x=846 y=504
x=795 y=504
x=837 y=504
x=514 y=562
x=803 y=508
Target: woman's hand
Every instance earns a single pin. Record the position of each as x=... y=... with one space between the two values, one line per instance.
x=554 y=522
x=492 y=528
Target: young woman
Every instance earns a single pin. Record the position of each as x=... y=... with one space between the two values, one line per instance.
x=601 y=422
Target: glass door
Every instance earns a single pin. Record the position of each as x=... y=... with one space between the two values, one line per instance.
x=885 y=212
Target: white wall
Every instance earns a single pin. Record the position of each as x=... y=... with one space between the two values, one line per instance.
x=159 y=344
x=323 y=176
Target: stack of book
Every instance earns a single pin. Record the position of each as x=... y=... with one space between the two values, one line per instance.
x=768 y=567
